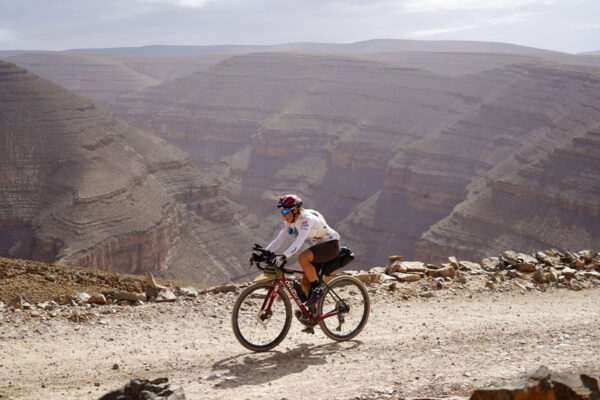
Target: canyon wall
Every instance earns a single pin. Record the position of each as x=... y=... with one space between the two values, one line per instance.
x=385 y=151
x=80 y=187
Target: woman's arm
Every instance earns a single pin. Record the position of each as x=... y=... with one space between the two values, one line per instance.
x=278 y=241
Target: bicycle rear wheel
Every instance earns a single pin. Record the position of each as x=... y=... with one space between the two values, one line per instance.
x=352 y=303
x=254 y=327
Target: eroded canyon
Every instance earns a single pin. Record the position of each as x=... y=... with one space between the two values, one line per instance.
x=428 y=154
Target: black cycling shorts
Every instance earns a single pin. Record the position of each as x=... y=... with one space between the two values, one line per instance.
x=324 y=252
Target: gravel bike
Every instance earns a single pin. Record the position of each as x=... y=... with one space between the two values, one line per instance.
x=262 y=314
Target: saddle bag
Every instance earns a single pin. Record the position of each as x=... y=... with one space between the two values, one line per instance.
x=344 y=258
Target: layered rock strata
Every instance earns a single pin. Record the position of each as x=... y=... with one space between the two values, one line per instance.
x=79 y=187
x=552 y=202
x=383 y=150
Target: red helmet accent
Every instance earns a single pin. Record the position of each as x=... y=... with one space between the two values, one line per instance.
x=289 y=201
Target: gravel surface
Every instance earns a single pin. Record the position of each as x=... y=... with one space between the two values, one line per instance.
x=446 y=345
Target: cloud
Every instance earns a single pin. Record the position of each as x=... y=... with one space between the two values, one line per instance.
x=7 y=36
x=440 y=31
x=184 y=3
x=510 y=19
x=472 y=5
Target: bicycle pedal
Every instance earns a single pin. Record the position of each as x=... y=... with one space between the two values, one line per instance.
x=309 y=329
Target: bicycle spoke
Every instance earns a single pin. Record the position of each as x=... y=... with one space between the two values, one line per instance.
x=257 y=326
x=349 y=299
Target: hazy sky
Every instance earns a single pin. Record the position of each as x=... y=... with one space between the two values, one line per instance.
x=563 y=25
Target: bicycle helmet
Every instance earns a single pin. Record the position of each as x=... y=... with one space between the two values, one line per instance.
x=289 y=201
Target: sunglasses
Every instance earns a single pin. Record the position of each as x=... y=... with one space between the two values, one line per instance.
x=284 y=212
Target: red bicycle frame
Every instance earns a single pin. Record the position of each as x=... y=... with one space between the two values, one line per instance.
x=271 y=298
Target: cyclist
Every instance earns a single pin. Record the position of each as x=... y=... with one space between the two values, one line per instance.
x=305 y=224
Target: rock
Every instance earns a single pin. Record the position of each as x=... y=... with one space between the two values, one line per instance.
x=391 y=259
x=402 y=277
x=568 y=272
x=188 y=292
x=491 y=263
x=540 y=276
x=526 y=258
x=511 y=273
x=152 y=288
x=468 y=266
x=526 y=267
x=396 y=266
x=386 y=277
x=146 y=390
x=571 y=257
x=553 y=275
x=510 y=257
x=129 y=296
x=553 y=253
x=165 y=295
x=63 y=299
x=81 y=298
x=47 y=305
x=414 y=266
x=364 y=277
x=448 y=271
x=224 y=289
x=97 y=298
x=592 y=274
x=577 y=264
x=453 y=262
x=586 y=255
x=575 y=285
x=546 y=259
x=544 y=384
x=377 y=270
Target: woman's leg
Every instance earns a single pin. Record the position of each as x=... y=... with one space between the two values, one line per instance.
x=310 y=273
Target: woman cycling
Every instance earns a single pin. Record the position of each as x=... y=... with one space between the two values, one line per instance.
x=305 y=224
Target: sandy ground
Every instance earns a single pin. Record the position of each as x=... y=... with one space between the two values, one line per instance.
x=444 y=346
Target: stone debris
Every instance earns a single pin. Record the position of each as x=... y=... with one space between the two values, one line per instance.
x=553 y=269
x=165 y=295
x=147 y=390
x=544 y=384
x=97 y=298
x=573 y=270
x=129 y=296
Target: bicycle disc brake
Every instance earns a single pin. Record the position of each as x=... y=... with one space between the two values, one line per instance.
x=342 y=308
x=264 y=317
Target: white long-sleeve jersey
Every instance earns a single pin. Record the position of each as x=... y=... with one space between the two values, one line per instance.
x=310 y=225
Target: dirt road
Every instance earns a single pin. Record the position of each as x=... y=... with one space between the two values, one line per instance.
x=446 y=345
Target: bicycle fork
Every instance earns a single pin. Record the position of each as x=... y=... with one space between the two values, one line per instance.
x=266 y=313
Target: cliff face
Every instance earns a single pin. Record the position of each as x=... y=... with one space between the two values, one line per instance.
x=383 y=150
x=79 y=187
x=552 y=202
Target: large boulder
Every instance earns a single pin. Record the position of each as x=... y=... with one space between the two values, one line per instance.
x=544 y=384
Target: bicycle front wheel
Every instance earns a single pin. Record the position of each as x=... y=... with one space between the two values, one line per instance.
x=260 y=322
x=349 y=298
